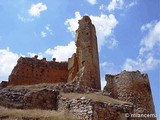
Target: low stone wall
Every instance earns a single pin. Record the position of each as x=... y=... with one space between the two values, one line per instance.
x=81 y=108
x=83 y=105
x=87 y=109
x=28 y=99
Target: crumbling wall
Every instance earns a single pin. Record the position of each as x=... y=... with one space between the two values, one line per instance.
x=33 y=71
x=82 y=67
x=87 y=54
x=132 y=87
x=72 y=67
x=82 y=75
x=3 y=84
x=29 y=99
x=87 y=109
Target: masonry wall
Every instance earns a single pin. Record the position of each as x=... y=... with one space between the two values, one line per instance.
x=82 y=67
x=43 y=98
x=132 y=87
x=87 y=109
x=87 y=54
x=33 y=71
x=72 y=67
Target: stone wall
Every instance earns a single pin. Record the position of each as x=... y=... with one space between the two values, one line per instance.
x=80 y=106
x=132 y=87
x=34 y=71
x=72 y=67
x=3 y=84
x=29 y=99
x=87 y=109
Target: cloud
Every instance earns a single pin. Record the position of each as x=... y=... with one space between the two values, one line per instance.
x=146 y=27
x=104 y=27
x=72 y=23
x=93 y=2
x=27 y=15
x=102 y=7
x=103 y=82
x=43 y=34
x=152 y=39
x=46 y=31
x=109 y=68
x=148 y=57
x=62 y=53
x=25 y=19
x=115 y=4
x=111 y=43
x=142 y=64
x=131 y=4
x=7 y=62
x=36 y=9
x=31 y=54
x=104 y=24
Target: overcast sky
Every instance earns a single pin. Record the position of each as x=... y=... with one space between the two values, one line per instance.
x=128 y=33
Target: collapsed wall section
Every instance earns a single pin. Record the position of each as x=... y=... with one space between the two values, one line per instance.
x=72 y=67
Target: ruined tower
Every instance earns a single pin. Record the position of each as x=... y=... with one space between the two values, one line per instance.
x=87 y=54
x=132 y=87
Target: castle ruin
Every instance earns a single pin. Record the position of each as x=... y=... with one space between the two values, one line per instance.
x=84 y=63
x=30 y=71
x=78 y=89
x=132 y=87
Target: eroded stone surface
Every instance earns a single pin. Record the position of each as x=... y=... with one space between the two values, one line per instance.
x=132 y=87
x=33 y=71
x=87 y=53
x=3 y=84
x=72 y=67
x=29 y=99
x=80 y=74
x=84 y=63
x=88 y=109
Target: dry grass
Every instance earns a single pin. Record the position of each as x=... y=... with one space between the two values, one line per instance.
x=94 y=97
x=17 y=114
x=41 y=85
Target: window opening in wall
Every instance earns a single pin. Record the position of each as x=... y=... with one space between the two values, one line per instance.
x=83 y=63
